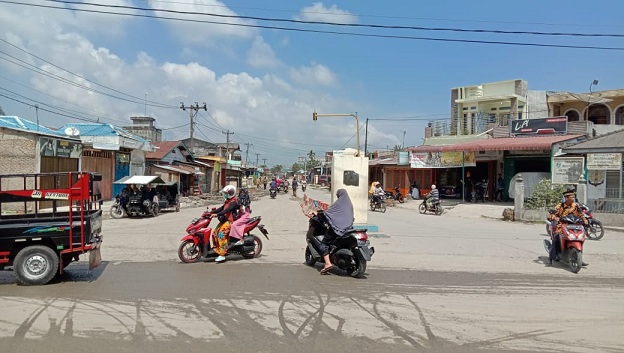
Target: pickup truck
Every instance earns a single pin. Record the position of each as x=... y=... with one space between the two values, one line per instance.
x=46 y=221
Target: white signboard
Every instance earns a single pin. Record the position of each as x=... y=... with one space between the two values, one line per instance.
x=567 y=170
x=604 y=161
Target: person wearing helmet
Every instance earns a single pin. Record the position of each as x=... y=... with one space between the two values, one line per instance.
x=378 y=192
x=226 y=215
x=273 y=185
x=433 y=195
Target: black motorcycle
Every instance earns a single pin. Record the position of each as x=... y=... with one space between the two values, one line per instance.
x=479 y=193
x=273 y=193
x=118 y=209
x=140 y=205
x=378 y=203
x=349 y=252
x=397 y=195
x=434 y=206
x=303 y=187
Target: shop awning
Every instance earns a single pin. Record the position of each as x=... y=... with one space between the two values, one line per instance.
x=531 y=143
x=173 y=169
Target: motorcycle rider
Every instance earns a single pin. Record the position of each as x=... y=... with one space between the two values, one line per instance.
x=304 y=183
x=378 y=192
x=226 y=214
x=273 y=185
x=563 y=209
x=433 y=195
x=340 y=218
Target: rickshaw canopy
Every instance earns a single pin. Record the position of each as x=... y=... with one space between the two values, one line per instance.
x=140 y=179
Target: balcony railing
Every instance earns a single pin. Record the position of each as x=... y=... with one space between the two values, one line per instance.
x=480 y=123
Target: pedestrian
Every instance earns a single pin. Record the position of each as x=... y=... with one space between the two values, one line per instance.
x=500 y=187
x=264 y=181
x=468 y=187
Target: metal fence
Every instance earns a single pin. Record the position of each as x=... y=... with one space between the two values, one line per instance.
x=607 y=205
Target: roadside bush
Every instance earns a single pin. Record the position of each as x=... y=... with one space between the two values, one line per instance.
x=545 y=195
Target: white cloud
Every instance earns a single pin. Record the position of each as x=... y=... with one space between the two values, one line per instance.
x=315 y=74
x=261 y=55
x=202 y=11
x=319 y=13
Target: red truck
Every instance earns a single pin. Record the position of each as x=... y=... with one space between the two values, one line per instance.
x=46 y=221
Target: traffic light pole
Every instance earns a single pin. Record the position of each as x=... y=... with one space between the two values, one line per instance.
x=315 y=116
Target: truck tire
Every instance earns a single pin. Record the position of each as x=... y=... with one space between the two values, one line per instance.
x=35 y=265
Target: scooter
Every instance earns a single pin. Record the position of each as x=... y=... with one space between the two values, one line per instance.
x=198 y=244
x=435 y=206
x=303 y=186
x=273 y=193
x=571 y=242
x=397 y=195
x=349 y=252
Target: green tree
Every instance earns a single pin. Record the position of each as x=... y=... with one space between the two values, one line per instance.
x=296 y=167
x=313 y=162
x=545 y=195
x=277 y=169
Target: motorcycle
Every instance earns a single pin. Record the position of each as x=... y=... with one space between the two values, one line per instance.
x=479 y=193
x=571 y=242
x=435 y=206
x=349 y=252
x=140 y=206
x=273 y=193
x=550 y=224
x=594 y=228
x=303 y=186
x=118 y=208
x=284 y=188
x=397 y=195
x=197 y=243
x=378 y=204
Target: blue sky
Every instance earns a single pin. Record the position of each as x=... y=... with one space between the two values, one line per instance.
x=264 y=83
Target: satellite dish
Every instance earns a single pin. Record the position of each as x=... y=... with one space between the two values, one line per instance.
x=72 y=131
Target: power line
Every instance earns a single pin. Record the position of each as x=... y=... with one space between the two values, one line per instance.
x=523 y=44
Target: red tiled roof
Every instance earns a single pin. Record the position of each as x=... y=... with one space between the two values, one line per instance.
x=162 y=149
x=499 y=144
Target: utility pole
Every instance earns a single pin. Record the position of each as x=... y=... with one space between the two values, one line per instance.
x=264 y=159
x=247 y=153
x=192 y=112
x=257 y=154
x=227 y=148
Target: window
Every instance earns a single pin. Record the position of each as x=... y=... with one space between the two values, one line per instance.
x=599 y=114
x=572 y=115
x=619 y=116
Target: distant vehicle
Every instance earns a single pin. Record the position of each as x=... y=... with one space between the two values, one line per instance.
x=450 y=191
x=323 y=180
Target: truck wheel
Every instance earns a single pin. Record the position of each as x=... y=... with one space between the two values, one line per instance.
x=36 y=265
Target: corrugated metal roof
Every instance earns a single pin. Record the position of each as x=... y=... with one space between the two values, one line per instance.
x=162 y=149
x=17 y=123
x=608 y=143
x=97 y=129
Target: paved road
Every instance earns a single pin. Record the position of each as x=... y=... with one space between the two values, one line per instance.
x=453 y=283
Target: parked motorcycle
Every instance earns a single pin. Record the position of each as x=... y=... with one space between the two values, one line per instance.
x=594 y=228
x=397 y=195
x=378 y=204
x=197 y=244
x=349 y=252
x=273 y=193
x=571 y=242
x=434 y=206
x=479 y=193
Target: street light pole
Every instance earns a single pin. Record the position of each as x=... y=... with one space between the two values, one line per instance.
x=315 y=116
x=594 y=83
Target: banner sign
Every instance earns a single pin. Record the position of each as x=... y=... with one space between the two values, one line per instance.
x=442 y=160
x=547 y=126
x=50 y=147
x=567 y=170
x=604 y=161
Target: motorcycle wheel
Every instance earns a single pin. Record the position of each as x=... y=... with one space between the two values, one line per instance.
x=401 y=199
x=372 y=206
x=257 y=249
x=595 y=231
x=188 y=252
x=576 y=260
x=422 y=208
x=359 y=269
x=382 y=207
x=309 y=259
x=438 y=210
x=116 y=212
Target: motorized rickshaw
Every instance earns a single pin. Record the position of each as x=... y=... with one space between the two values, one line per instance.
x=138 y=198
x=168 y=195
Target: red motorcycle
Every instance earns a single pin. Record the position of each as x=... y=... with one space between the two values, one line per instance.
x=197 y=244
x=571 y=242
x=594 y=228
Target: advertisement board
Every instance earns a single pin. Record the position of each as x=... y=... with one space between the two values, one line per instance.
x=567 y=170
x=51 y=147
x=442 y=159
x=547 y=126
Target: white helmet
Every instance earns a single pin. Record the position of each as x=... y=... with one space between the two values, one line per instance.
x=433 y=187
x=228 y=191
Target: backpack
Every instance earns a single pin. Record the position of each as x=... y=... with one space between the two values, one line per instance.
x=243 y=198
